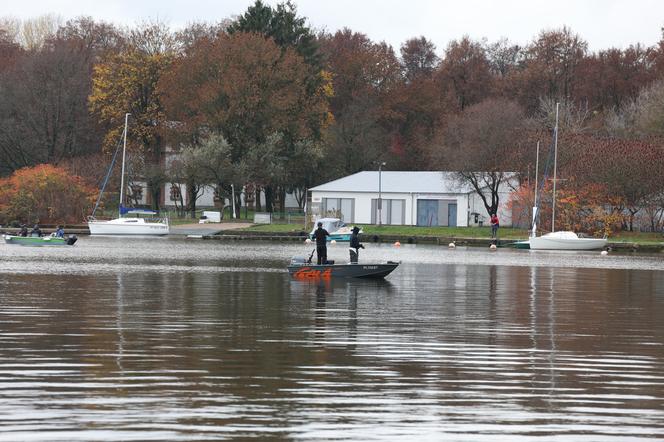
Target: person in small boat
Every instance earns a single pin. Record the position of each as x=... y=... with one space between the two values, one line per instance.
x=23 y=231
x=59 y=232
x=494 y=225
x=36 y=231
x=355 y=245
x=320 y=235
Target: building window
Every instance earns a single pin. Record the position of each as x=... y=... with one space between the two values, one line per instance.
x=136 y=192
x=393 y=211
x=175 y=193
x=342 y=208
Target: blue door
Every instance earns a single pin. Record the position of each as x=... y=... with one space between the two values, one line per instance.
x=452 y=214
x=427 y=212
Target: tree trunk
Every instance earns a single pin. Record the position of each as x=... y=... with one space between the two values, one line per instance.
x=282 y=200
x=238 y=203
x=258 y=205
x=191 y=199
x=268 y=199
x=155 y=194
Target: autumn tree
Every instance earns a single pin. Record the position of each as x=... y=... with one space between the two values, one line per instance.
x=551 y=68
x=484 y=143
x=464 y=74
x=243 y=87
x=612 y=77
x=418 y=58
x=43 y=109
x=630 y=169
x=365 y=74
x=126 y=82
x=45 y=194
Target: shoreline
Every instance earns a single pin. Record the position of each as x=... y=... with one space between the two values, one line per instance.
x=232 y=232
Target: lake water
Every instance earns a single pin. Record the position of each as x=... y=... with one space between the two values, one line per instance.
x=175 y=339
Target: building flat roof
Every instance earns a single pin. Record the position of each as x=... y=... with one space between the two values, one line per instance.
x=398 y=182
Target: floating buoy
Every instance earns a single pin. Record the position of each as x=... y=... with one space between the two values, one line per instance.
x=307 y=241
x=334 y=241
x=493 y=247
x=397 y=244
x=604 y=253
x=451 y=245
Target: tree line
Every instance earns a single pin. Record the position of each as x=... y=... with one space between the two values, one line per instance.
x=262 y=102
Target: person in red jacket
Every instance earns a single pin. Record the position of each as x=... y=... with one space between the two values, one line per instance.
x=494 y=225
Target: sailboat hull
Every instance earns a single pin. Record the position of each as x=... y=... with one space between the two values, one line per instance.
x=128 y=226
x=566 y=241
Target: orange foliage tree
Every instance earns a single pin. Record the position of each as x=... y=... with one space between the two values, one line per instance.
x=44 y=194
x=587 y=208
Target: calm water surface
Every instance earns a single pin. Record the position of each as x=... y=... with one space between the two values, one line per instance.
x=174 y=339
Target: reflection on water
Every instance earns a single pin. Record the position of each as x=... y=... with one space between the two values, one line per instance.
x=175 y=340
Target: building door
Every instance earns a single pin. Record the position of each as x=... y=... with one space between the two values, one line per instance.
x=452 y=214
x=427 y=212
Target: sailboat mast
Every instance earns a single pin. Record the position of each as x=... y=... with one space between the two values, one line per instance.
x=555 y=168
x=124 y=154
x=535 y=204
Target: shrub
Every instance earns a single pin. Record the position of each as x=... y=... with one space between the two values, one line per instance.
x=44 y=194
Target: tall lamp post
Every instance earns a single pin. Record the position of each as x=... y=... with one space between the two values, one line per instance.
x=380 y=199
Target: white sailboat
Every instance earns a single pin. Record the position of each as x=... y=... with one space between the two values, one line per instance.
x=562 y=240
x=127 y=225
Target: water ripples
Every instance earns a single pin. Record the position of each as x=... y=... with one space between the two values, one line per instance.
x=215 y=343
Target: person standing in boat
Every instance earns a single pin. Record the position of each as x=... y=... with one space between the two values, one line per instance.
x=320 y=235
x=355 y=244
x=36 y=231
x=494 y=225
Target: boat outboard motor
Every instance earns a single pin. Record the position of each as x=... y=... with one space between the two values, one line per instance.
x=298 y=261
x=71 y=240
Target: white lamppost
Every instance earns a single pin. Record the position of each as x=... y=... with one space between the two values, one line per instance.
x=380 y=199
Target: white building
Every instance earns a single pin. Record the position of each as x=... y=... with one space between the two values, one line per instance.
x=408 y=198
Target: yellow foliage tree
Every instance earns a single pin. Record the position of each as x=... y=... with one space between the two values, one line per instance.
x=127 y=82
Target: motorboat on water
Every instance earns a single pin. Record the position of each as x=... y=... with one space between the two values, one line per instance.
x=127 y=225
x=337 y=229
x=302 y=268
x=39 y=241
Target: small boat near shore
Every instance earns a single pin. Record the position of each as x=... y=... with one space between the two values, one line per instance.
x=301 y=268
x=564 y=240
x=129 y=226
x=39 y=241
x=337 y=229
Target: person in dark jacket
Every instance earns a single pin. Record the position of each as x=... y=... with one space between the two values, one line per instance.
x=36 y=231
x=23 y=231
x=320 y=235
x=355 y=244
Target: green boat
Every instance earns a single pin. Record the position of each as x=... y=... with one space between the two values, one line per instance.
x=39 y=241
